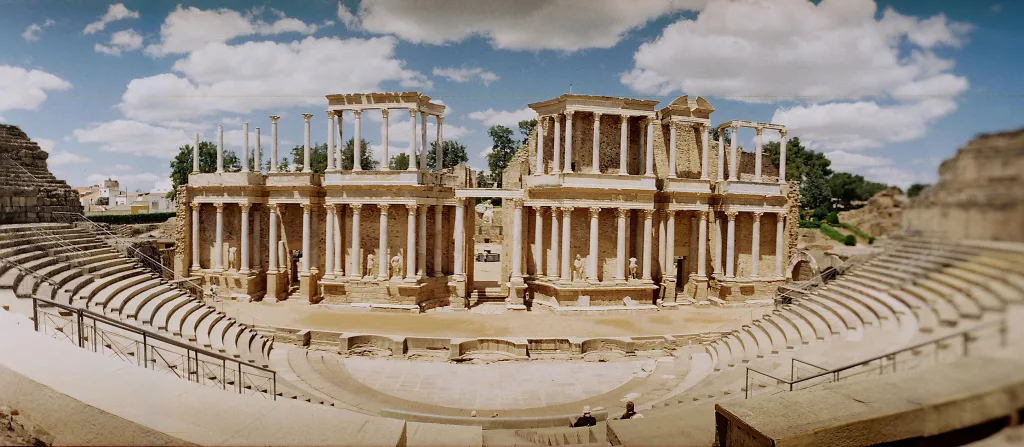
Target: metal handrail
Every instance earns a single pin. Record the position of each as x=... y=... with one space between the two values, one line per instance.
x=54 y=238
x=54 y=286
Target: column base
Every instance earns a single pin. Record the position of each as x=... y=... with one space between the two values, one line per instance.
x=457 y=294
x=308 y=288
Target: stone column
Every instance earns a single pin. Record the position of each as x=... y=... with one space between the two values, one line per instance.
x=218 y=248
x=460 y=237
x=557 y=162
x=329 y=234
x=272 y=243
x=779 y=239
x=339 y=216
x=730 y=244
x=782 y=156
x=755 y=245
x=438 y=230
x=721 y=154
x=732 y=155
x=412 y=141
x=410 y=241
x=540 y=147
x=717 y=266
x=273 y=145
x=244 y=239
x=256 y=255
x=649 y=153
x=671 y=149
x=339 y=149
x=220 y=148
x=702 y=245
x=257 y=156
x=195 y=156
x=538 y=241
x=384 y=160
x=623 y=144
x=704 y=155
x=195 y=237
x=568 y=142
x=648 y=226
x=439 y=161
x=421 y=243
x=517 y=239
x=566 y=243
x=307 y=240
x=596 y=156
x=357 y=142
x=305 y=147
x=382 y=248
x=620 y=246
x=245 y=150
x=356 y=270
x=670 y=245
x=758 y=145
x=330 y=146
x=553 y=259
x=595 y=214
x=424 y=147
x=662 y=217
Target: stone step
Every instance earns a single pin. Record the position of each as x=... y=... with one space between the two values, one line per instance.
x=146 y=311
x=803 y=329
x=865 y=314
x=161 y=319
x=117 y=301
x=176 y=320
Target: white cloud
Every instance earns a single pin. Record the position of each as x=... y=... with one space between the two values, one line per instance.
x=763 y=51
x=46 y=144
x=221 y=78
x=507 y=118
x=144 y=181
x=399 y=130
x=120 y=167
x=35 y=30
x=115 y=12
x=126 y=40
x=26 y=89
x=892 y=175
x=135 y=138
x=845 y=161
x=862 y=124
x=58 y=158
x=567 y=25
x=189 y=29
x=465 y=74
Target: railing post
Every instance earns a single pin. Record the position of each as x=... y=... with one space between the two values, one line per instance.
x=746 y=393
x=274 y=376
x=966 y=341
x=79 y=321
x=1003 y=332
x=223 y=372
x=35 y=314
x=145 y=351
x=238 y=379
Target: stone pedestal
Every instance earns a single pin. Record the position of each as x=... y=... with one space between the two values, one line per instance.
x=277 y=287
x=308 y=288
x=457 y=293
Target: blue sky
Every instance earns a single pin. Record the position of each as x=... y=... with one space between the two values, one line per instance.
x=886 y=89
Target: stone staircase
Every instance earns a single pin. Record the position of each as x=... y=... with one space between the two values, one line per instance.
x=28 y=191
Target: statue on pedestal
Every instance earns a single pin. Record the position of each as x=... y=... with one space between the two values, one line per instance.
x=578 y=265
x=632 y=268
x=231 y=258
x=370 y=264
x=396 y=266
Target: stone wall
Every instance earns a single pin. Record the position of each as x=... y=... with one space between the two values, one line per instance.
x=28 y=191
x=882 y=215
x=979 y=195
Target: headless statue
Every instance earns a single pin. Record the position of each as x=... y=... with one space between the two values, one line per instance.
x=396 y=266
x=577 y=266
x=231 y=258
x=370 y=258
x=632 y=268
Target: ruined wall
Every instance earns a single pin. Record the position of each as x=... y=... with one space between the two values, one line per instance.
x=979 y=195
x=882 y=215
x=28 y=191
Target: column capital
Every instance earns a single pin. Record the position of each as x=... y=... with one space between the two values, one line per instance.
x=781 y=214
x=330 y=114
x=245 y=207
x=306 y=207
x=568 y=113
x=384 y=207
x=518 y=203
x=440 y=119
x=662 y=213
x=195 y=206
x=412 y=113
x=731 y=214
x=759 y=129
x=703 y=214
x=307 y=116
x=622 y=212
x=274 y=118
x=411 y=208
x=597 y=115
x=733 y=127
x=356 y=207
x=649 y=213
x=782 y=133
x=219 y=206
x=424 y=115
x=539 y=210
x=757 y=216
x=273 y=207
x=595 y=211
x=567 y=209
x=461 y=201
x=385 y=113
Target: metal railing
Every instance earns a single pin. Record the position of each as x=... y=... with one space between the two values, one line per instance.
x=150 y=350
x=759 y=382
x=29 y=272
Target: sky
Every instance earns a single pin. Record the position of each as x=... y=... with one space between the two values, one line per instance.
x=885 y=89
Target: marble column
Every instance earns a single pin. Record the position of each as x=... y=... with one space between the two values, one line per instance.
x=556 y=166
x=195 y=155
x=539 y=169
x=244 y=239
x=704 y=155
x=595 y=214
x=730 y=245
x=273 y=145
x=596 y=155
x=647 y=261
x=421 y=242
x=538 y=241
x=307 y=237
x=782 y=156
x=662 y=217
x=649 y=153
x=330 y=144
x=755 y=245
x=257 y=155
x=195 y=237
x=439 y=160
x=410 y=240
x=245 y=148
x=620 y=245
x=339 y=149
x=566 y=243
x=357 y=142
x=671 y=149
x=385 y=115
x=779 y=239
x=339 y=217
x=356 y=261
x=382 y=248
x=670 y=245
x=702 y=245
x=272 y=243
x=758 y=145
x=568 y=142
x=424 y=147
x=412 y=141
x=721 y=154
x=517 y=239
x=305 y=148
x=460 y=236
x=733 y=171
x=257 y=258
x=220 y=148
x=329 y=236
x=438 y=236
x=623 y=144
x=717 y=265
x=553 y=259
x=218 y=244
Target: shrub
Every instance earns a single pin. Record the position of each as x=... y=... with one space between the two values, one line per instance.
x=809 y=224
x=850 y=240
x=832 y=233
x=123 y=219
x=832 y=218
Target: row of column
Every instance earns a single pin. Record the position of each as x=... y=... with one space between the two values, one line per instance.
x=596 y=146
x=755 y=245
x=758 y=152
x=216 y=258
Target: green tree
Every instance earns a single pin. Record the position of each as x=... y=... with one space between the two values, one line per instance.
x=815 y=196
x=317 y=157
x=282 y=165
x=366 y=160
x=399 y=162
x=916 y=189
x=483 y=180
x=502 y=151
x=103 y=201
x=181 y=164
x=848 y=188
x=454 y=153
x=728 y=136
x=526 y=128
x=799 y=160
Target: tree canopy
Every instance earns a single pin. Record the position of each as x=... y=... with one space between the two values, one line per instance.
x=454 y=153
x=916 y=189
x=526 y=128
x=399 y=162
x=502 y=151
x=799 y=160
x=728 y=136
x=848 y=188
x=317 y=157
x=815 y=196
x=181 y=164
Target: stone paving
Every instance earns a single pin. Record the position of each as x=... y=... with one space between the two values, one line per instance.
x=504 y=385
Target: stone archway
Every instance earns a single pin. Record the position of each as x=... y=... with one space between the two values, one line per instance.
x=803 y=267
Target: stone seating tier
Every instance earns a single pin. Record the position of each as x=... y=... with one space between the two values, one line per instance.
x=28 y=191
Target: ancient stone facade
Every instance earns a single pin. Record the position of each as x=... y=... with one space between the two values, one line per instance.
x=979 y=195
x=28 y=191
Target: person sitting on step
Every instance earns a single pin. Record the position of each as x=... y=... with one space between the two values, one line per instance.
x=586 y=420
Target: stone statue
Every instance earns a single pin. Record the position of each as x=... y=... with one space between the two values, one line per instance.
x=231 y=258
x=578 y=266
x=632 y=268
x=370 y=264
x=396 y=266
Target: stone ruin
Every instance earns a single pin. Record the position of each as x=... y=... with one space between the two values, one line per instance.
x=28 y=191
x=882 y=215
